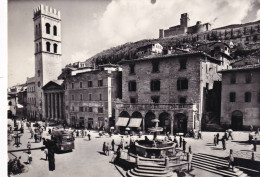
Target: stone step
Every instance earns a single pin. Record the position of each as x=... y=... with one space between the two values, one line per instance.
x=150 y=171
x=211 y=156
x=210 y=161
x=151 y=165
x=206 y=168
x=149 y=159
x=216 y=167
x=151 y=168
x=133 y=172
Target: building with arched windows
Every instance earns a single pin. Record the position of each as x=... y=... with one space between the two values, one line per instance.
x=47 y=39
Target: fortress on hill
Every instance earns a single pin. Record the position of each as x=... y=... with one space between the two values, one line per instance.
x=184 y=27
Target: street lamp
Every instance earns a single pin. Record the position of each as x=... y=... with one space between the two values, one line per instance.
x=17 y=140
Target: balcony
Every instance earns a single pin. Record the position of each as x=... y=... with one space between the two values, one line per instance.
x=156 y=106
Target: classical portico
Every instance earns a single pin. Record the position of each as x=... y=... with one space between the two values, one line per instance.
x=53 y=109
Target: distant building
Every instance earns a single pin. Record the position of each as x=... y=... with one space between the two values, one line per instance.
x=240 y=98
x=53 y=93
x=31 y=99
x=179 y=89
x=90 y=96
x=185 y=28
x=149 y=49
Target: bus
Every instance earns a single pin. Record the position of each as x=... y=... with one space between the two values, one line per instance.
x=64 y=140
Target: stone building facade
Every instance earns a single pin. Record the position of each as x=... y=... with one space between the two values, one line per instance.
x=90 y=95
x=184 y=28
x=54 y=101
x=31 y=100
x=240 y=105
x=172 y=88
x=47 y=40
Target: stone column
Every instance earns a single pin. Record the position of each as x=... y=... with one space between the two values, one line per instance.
x=172 y=122
x=56 y=106
x=52 y=107
x=46 y=105
x=60 y=106
x=49 y=106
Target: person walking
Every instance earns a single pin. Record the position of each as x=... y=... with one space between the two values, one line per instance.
x=231 y=160
x=255 y=142
x=89 y=136
x=77 y=133
x=226 y=135
x=230 y=135
x=180 y=141
x=104 y=148
x=29 y=158
x=35 y=138
x=29 y=147
x=184 y=145
x=199 y=135
x=223 y=142
x=32 y=134
x=107 y=149
x=217 y=136
x=251 y=128
x=113 y=145
x=215 y=140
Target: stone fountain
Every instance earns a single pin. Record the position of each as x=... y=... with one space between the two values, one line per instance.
x=154 y=148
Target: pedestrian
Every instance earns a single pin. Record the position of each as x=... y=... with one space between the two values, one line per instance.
x=255 y=142
x=122 y=143
x=184 y=145
x=113 y=145
x=230 y=135
x=223 y=142
x=32 y=134
x=199 y=135
x=89 y=136
x=217 y=137
x=226 y=135
x=35 y=138
x=77 y=133
x=175 y=141
x=104 y=148
x=40 y=137
x=180 y=141
x=29 y=158
x=29 y=147
x=215 y=140
x=231 y=160
x=189 y=158
x=107 y=149
x=251 y=128
x=85 y=132
x=49 y=131
x=118 y=153
x=82 y=133
x=46 y=153
x=190 y=149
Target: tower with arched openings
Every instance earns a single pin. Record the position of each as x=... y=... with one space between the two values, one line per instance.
x=47 y=40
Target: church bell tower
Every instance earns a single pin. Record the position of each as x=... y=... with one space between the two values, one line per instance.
x=47 y=40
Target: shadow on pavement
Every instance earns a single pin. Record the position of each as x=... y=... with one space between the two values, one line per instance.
x=124 y=164
x=215 y=148
x=102 y=153
x=242 y=142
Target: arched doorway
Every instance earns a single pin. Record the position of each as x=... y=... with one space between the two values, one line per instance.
x=237 y=120
x=180 y=123
x=148 y=120
x=138 y=115
x=124 y=115
x=165 y=122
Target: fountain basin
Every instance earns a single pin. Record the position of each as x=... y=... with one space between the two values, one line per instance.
x=158 y=150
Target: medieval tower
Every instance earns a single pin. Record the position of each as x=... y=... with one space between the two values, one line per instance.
x=47 y=40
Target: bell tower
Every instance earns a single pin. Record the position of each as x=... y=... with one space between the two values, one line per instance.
x=47 y=40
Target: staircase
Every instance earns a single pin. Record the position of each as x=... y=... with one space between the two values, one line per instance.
x=150 y=168
x=219 y=165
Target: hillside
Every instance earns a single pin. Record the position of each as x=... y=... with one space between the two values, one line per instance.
x=245 y=39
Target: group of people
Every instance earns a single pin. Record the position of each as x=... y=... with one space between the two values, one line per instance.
x=225 y=137
x=83 y=133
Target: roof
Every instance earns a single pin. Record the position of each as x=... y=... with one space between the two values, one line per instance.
x=57 y=82
x=242 y=68
x=151 y=57
x=148 y=45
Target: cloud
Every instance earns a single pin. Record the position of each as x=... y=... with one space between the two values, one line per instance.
x=125 y=21
x=258 y=15
x=79 y=56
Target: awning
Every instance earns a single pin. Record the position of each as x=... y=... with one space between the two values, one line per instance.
x=122 y=121
x=135 y=122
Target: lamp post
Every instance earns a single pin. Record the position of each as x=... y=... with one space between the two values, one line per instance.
x=17 y=140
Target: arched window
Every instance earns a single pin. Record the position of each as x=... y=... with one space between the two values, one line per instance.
x=36 y=29
x=39 y=84
x=54 y=30
x=47 y=28
x=48 y=46
x=55 y=46
x=39 y=73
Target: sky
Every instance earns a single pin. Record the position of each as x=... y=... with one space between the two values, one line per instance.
x=90 y=26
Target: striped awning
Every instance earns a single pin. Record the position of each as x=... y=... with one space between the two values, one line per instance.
x=135 y=122
x=122 y=121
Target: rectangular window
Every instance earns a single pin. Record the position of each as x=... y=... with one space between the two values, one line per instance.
x=182 y=100
x=183 y=63
x=248 y=97
x=232 y=96
x=233 y=78
x=132 y=86
x=72 y=97
x=100 y=83
x=132 y=100
x=155 y=66
x=155 y=99
x=81 y=97
x=132 y=68
x=90 y=109
x=248 y=77
x=100 y=110
x=100 y=122
x=89 y=83
x=72 y=108
x=259 y=97
x=72 y=85
x=155 y=85
x=80 y=85
x=100 y=97
x=182 y=84
x=81 y=109
x=89 y=97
